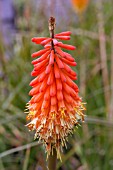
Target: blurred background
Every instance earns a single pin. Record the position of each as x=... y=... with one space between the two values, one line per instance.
x=91 y=23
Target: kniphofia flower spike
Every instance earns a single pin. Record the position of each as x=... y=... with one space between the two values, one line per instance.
x=80 y=5
x=55 y=107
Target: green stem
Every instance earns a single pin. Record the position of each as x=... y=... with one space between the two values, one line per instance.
x=52 y=160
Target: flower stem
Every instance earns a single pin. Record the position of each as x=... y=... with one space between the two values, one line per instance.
x=51 y=29
x=53 y=155
x=51 y=26
x=52 y=160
